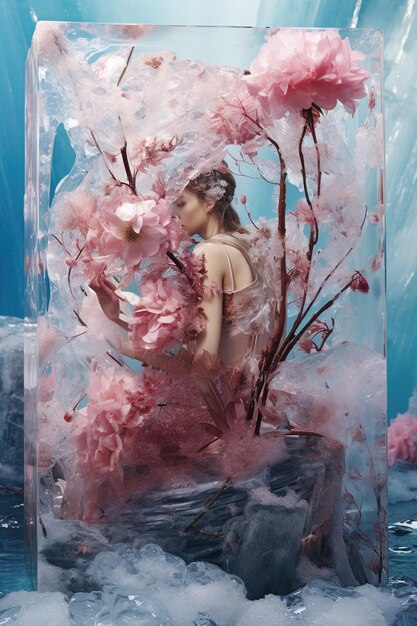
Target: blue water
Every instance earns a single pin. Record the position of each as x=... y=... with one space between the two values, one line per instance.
x=12 y=559
x=402 y=543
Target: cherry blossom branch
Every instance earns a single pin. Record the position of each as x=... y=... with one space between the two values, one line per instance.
x=125 y=67
x=114 y=358
x=250 y=219
x=75 y=336
x=237 y=161
x=79 y=318
x=285 y=351
x=70 y=269
x=180 y=265
x=97 y=145
x=321 y=287
x=314 y=232
x=325 y=334
x=316 y=145
x=126 y=164
x=288 y=345
x=268 y=356
x=61 y=243
x=338 y=264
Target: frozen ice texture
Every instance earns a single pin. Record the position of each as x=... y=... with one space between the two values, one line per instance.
x=150 y=587
x=11 y=402
x=23 y=607
x=296 y=488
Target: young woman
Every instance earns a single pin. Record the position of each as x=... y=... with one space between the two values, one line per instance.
x=204 y=208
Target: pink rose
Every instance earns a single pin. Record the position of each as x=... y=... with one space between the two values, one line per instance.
x=296 y=68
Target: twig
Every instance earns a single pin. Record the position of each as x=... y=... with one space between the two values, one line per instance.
x=329 y=275
x=61 y=243
x=114 y=358
x=126 y=164
x=209 y=503
x=103 y=155
x=70 y=269
x=75 y=336
x=267 y=359
x=125 y=67
x=180 y=265
x=79 y=318
x=326 y=306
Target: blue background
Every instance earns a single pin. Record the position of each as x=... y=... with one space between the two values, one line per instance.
x=397 y=20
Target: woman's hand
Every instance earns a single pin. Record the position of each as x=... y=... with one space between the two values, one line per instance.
x=108 y=299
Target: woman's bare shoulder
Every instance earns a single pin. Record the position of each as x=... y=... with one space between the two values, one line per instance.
x=213 y=255
x=202 y=246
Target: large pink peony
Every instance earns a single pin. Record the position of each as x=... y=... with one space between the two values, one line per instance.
x=117 y=406
x=402 y=439
x=296 y=68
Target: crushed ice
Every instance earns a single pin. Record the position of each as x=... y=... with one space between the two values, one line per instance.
x=150 y=587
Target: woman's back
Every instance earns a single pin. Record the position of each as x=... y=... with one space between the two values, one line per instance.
x=241 y=336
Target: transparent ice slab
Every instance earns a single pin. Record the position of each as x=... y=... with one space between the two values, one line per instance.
x=270 y=462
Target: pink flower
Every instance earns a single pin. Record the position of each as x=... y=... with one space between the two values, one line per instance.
x=402 y=439
x=133 y=228
x=303 y=213
x=78 y=210
x=117 y=406
x=235 y=118
x=296 y=68
x=359 y=283
x=94 y=268
x=151 y=150
x=155 y=61
x=158 y=321
x=373 y=218
x=306 y=344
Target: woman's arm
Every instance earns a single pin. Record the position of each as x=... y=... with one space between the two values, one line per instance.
x=165 y=362
x=212 y=305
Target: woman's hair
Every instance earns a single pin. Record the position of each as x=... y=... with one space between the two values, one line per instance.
x=220 y=185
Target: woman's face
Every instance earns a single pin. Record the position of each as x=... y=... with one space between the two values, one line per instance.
x=192 y=212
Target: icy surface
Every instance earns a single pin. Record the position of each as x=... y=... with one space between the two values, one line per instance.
x=11 y=402
x=150 y=587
